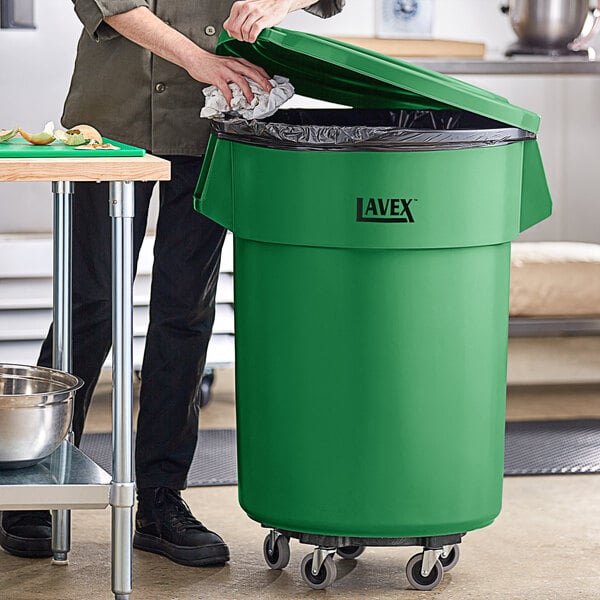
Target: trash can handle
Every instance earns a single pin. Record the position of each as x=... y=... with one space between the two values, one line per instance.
x=214 y=196
x=536 y=201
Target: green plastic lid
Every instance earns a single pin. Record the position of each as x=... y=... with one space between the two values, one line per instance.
x=334 y=71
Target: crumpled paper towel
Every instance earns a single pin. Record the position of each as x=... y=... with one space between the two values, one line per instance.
x=264 y=104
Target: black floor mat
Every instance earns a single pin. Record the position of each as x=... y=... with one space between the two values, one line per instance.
x=215 y=460
x=552 y=447
x=532 y=448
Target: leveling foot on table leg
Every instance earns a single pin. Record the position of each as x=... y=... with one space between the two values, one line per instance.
x=121 y=596
x=60 y=559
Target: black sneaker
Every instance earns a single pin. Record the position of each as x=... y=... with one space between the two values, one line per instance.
x=165 y=525
x=26 y=533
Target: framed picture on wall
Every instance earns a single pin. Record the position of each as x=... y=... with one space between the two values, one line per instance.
x=17 y=14
x=403 y=18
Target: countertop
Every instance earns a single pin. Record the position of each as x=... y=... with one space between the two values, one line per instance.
x=521 y=65
x=456 y=57
x=86 y=168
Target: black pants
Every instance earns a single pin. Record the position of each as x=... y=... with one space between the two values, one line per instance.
x=182 y=307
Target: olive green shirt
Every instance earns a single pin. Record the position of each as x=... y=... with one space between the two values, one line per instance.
x=134 y=96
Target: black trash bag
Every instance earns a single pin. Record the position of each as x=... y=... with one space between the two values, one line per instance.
x=357 y=129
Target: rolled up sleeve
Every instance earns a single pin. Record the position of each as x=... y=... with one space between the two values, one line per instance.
x=326 y=8
x=93 y=12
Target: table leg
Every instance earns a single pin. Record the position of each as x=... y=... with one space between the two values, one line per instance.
x=62 y=192
x=122 y=497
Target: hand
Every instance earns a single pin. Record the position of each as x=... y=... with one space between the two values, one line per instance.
x=222 y=70
x=249 y=17
x=144 y=28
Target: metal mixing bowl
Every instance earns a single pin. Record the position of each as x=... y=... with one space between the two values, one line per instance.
x=36 y=405
x=548 y=23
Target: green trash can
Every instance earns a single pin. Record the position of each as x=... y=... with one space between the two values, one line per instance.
x=372 y=261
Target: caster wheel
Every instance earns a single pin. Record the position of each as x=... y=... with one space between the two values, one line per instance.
x=279 y=556
x=451 y=560
x=324 y=578
x=204 y=393
x=349 y=552
x=413 y=574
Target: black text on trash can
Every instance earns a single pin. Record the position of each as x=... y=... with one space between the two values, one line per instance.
x=384 y=210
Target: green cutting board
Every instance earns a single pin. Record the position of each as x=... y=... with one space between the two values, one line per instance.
x=20 y=148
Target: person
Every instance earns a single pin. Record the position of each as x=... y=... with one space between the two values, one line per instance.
x=140 y=69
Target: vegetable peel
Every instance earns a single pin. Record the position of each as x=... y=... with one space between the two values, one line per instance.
x=95 y=146
x=7 y=134
x=42 y=138
x=89 y=133
x=71 y=137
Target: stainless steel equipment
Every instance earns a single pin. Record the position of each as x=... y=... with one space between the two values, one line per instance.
x=551 y=27
x=36 y=406
x=67 y=478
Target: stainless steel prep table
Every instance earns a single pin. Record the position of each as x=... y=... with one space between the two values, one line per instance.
x=68 y=479
x=520 y=65
x=528 y=66
x=462 y=58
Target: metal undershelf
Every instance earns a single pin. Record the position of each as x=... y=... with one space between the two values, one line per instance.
x=553 y=326
x=67 y=479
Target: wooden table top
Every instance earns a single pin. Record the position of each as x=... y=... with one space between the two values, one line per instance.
x=142 y=168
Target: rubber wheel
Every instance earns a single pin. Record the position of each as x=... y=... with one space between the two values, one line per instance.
x=349 y=552
x=279 y=556
x=204 y=393
x=413 y=574
x=451 y=560
x=325 y=577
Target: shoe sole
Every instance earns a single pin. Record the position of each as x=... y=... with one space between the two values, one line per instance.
x=190 y=556
x=25 y=547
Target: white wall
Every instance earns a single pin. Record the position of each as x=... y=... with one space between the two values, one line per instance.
x=44 y=56
x=35 y=68
x=468 y=20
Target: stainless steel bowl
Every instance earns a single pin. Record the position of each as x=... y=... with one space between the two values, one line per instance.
x=36 y=405
x=548 y=23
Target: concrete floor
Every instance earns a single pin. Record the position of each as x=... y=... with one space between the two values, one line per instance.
x=544 y=545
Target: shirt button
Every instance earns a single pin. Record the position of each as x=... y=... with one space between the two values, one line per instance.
x=210 y=30
x=160 y=87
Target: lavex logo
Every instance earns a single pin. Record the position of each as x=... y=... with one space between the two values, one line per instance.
x=384 y=210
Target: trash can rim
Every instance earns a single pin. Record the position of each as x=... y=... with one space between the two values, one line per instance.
x=299 y=137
